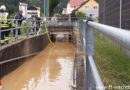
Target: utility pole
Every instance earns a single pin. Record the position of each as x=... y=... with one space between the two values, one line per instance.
x=104 y=12
x=46 y=8
x=120 y=13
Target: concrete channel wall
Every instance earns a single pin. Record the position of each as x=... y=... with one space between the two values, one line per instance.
x=67 y=31
x=23 y=47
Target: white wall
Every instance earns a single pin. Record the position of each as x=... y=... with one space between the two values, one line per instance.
x=30 y=12
x=69 y=9
x=23 y=7
x=63 y=12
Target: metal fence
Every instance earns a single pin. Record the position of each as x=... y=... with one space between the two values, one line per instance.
x=93 y=80
x=115 y=13
x=87 y=27
x=16 y=31
x=28 y=29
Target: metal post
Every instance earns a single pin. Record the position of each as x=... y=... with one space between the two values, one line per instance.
x=120 y=13
x=47 y=8
x=27 y=27
x=35 y=29
x=90 y=45
x=40 y=27
x=104 y=11
x=0 y=34
x=43 y=27
x=81 y=32
x=16 y=31
x=84 y=36
x=69 y=18
x=44 y=8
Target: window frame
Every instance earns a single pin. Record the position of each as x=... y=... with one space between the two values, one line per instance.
x=95 y=7
x=87 y=7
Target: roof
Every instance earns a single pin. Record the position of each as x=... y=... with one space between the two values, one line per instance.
x=38 y=8
x=81 y=5
x=33 y=8
x=74 y=3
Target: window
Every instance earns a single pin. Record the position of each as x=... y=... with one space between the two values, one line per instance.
x=87 y=7
x=95 y=7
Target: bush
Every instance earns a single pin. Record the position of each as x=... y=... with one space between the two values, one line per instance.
x=81 y=14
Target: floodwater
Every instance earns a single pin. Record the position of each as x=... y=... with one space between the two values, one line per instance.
x=50 y=70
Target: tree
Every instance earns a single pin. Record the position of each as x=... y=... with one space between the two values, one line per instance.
x=12 y=5
x=53 y=4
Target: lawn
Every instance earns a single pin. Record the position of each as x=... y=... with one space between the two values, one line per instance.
x=113 y=65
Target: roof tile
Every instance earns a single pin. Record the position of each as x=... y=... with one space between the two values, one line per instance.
x=74 y=3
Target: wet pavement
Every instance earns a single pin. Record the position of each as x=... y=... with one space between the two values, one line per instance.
x=50 y=70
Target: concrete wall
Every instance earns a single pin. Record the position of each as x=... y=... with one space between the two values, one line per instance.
x=24 y=47
x=66 y=31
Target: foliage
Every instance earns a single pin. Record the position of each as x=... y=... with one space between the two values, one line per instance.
x=53 y=4
x=113 y=64
x=81 y=14
x=60 y=6
x=12 y=5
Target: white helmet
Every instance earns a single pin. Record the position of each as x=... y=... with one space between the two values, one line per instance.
x=3 y=7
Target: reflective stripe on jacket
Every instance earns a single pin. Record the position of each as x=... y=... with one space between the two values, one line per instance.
x=3 y=18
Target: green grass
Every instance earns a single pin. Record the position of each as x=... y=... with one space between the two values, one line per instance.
x=113 y=65
x=23 y=31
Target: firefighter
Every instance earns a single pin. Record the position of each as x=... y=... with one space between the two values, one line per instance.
x=4 y=23
x=37 y=21
x=38 y=24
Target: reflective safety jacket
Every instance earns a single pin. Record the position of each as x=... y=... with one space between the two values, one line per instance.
x=3 y=19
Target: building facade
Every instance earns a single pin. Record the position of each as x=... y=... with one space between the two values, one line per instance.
x=69 y=9
x=33 y=11
x=72 y=5
x=90 y=7
x=114 y=13
x=23 y=7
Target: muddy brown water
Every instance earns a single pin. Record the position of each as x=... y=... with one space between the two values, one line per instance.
x=50 y=70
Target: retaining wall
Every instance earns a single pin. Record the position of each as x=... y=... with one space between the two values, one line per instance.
x=23 y=47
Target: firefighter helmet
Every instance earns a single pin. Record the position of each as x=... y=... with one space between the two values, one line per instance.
x=3 y=7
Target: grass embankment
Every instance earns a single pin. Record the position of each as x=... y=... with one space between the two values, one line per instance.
x=113 y=65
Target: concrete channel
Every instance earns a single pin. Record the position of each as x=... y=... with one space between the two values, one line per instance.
x=49 y=70
x=54 y=68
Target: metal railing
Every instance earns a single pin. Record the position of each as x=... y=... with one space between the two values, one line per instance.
x=121 y=36
x=87 y=27
x=16 y=31
x=28 y=29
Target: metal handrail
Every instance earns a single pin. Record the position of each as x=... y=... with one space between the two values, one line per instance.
x=121 y=36
x=29 y=24
x=93 y=79
x=98 y=82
